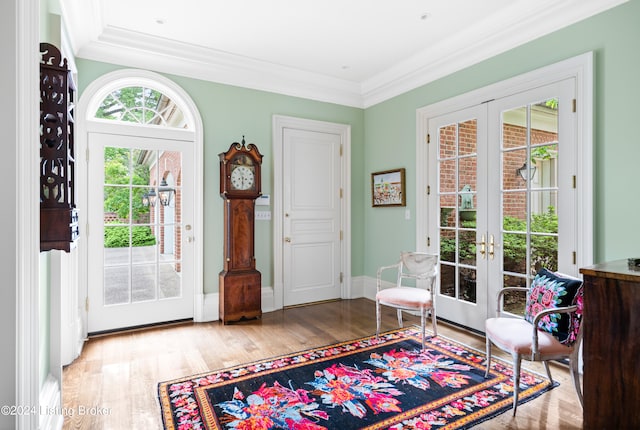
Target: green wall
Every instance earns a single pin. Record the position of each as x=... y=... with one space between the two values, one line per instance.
x=390 y=131
x=230 y=112
x=387 y=131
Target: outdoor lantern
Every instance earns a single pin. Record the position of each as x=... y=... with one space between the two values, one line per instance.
x=149 y=198
x=523 y=171
x=165 y=192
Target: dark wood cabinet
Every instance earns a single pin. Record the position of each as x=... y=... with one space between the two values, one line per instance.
x=611 y=349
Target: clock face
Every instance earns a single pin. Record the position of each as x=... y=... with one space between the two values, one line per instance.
x=242 y=178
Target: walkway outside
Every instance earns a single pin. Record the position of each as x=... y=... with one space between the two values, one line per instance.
x=143 y=275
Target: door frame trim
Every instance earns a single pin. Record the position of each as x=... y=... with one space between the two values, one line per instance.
x=280 y=123
x=581 y=69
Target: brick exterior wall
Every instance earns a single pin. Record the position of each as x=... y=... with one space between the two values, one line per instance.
x=170 y=165
x=514 y=204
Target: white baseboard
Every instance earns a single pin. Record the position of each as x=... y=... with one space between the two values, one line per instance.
x=209 y=305
x=209 y=308
x=268 y=300
x=51 y=413
x=369 y=287
x=357 y=287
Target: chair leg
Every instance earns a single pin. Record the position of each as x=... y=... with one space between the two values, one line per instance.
x=516 y=380
x=433 y=322
x=486 y=372
x=422 y=323
x=378 y=318
x=546 y=367
x=400 y=318
x=575 y=376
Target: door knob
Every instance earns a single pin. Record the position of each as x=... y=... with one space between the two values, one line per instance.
x=287 y=239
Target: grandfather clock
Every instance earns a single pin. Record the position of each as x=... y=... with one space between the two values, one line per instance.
x=240 y=282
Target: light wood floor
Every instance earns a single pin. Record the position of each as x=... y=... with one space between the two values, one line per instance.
x=119 y=373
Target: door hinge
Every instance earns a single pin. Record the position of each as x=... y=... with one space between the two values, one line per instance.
x=87 y=154
x=428 y=138
x=428 y=190
x=341 y=234
x=86 y=304
x=575 y=257
x=574 y=106
x=341 y=277
x=340 y=192
x=341 y=149
x=428 y=241
x=575 y=182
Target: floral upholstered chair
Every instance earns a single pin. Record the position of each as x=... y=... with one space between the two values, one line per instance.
x=412 y=265
x=551 y=328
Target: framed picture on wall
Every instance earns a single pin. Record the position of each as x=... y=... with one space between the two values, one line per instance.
x=387 y=188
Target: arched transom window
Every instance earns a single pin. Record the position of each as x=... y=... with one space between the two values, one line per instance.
x=141 y=105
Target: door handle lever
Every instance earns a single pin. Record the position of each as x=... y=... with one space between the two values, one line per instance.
x=482 y=244
x=491 y=247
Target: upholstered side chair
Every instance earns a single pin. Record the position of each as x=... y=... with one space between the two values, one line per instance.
x=550 y=330
x=417 y=266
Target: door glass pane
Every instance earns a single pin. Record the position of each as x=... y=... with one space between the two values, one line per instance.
x=448 y=281
x=143 y=280
x=529 y=197
x=457 y=190
x=142 y=224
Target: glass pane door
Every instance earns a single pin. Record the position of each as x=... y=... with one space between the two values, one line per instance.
x=503 y=192
x=140 y=209
x=529 y=158
x=460 y=197
x=536 y=195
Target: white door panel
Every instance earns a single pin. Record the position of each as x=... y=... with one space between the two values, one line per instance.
x=311 y=226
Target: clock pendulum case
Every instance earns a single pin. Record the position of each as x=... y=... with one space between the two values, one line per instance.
x=240 y=282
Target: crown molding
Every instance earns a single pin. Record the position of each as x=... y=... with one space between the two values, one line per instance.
x=124 y=47
x=94 y=41
x=491 y=39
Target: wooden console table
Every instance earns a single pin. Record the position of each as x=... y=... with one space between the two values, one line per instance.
x=611 y=349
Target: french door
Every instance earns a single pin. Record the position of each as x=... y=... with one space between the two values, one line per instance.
x=502 y=197
x=141 y=249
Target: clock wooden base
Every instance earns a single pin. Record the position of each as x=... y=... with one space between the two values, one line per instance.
x=240 y=295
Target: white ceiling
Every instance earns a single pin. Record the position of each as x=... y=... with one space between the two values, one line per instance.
x=350 y=52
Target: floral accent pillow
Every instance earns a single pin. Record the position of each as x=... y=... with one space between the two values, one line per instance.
x=550 y=290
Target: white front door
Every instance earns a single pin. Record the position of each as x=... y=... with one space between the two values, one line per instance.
x=503 y=176
x=140 y=253
x=312 y=212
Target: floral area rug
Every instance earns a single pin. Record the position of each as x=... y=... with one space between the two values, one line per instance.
x=369 y=383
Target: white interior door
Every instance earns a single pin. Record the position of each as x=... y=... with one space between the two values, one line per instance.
x=311 y=224
x=141 y=251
